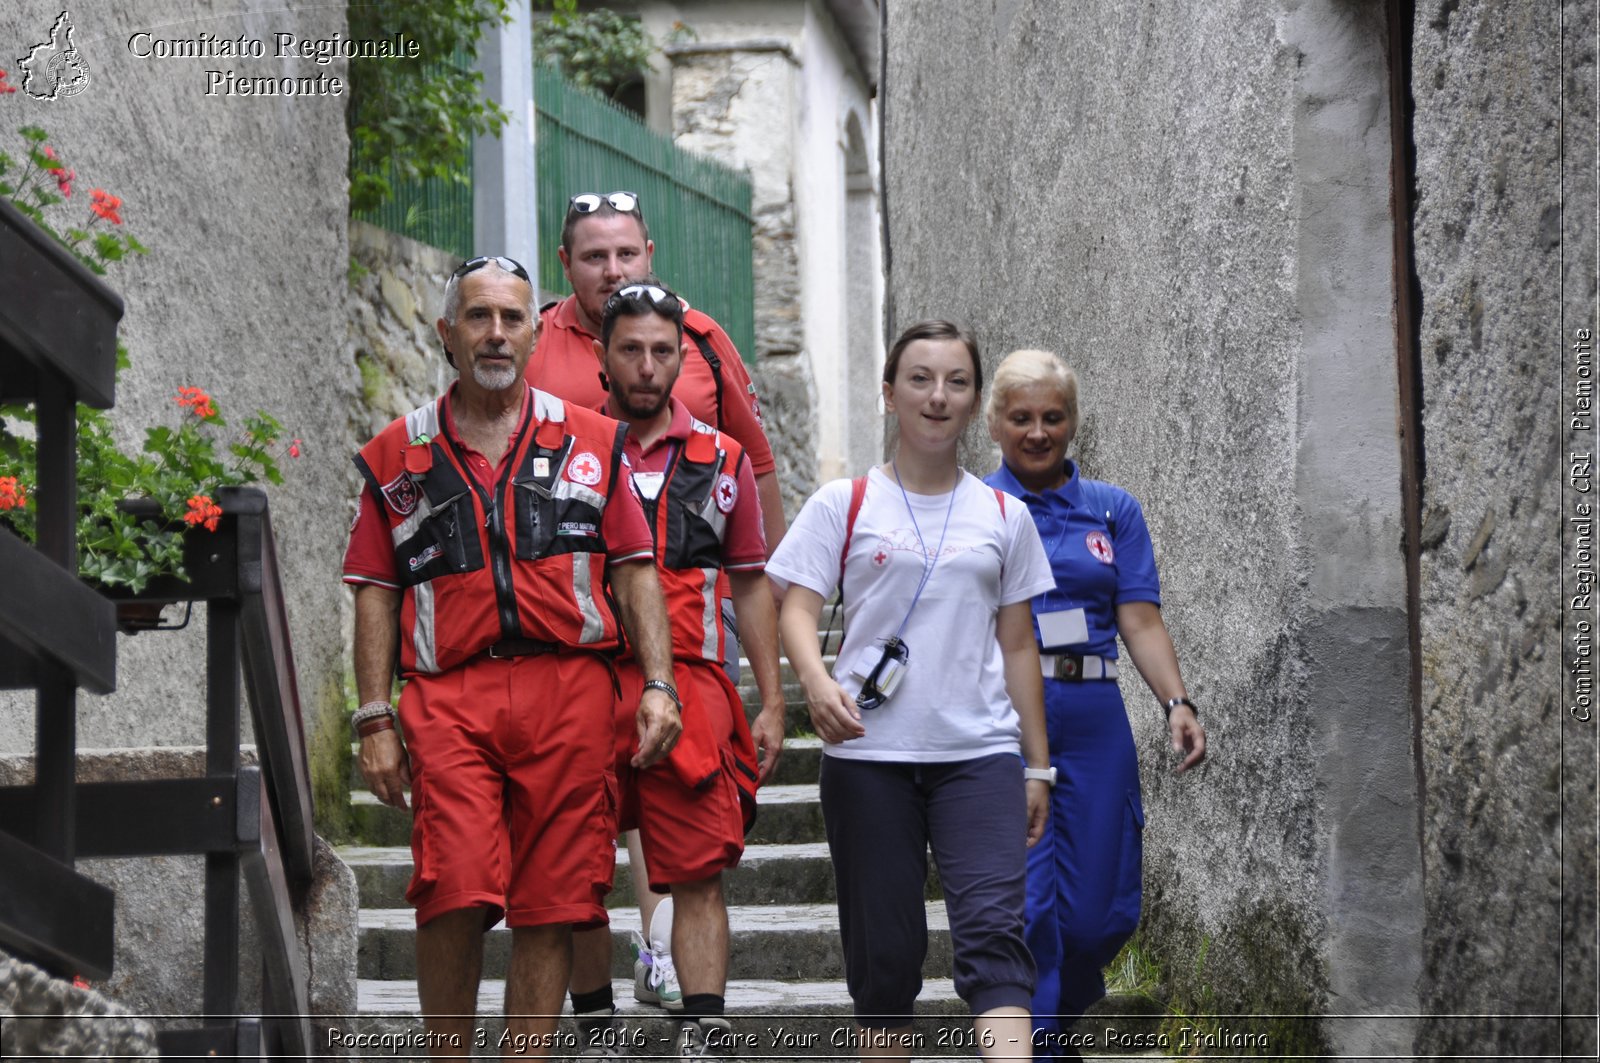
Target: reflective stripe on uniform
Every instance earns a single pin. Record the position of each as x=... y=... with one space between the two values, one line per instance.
x=422 y=629
x=594 y=627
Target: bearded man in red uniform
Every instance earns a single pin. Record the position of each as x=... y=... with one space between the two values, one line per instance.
x=494 y=522
x=698 y=493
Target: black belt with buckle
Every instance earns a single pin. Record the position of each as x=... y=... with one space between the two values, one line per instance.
x=521 y=648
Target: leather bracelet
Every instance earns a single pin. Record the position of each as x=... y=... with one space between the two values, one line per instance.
x=1173 y=703
x=666 y=688
x=372 y=710
x=372 y=727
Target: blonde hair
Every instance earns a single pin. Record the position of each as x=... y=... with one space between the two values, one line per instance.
x=1025 y=368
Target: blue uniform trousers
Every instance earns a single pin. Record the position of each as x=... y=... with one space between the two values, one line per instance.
x=1083 y=876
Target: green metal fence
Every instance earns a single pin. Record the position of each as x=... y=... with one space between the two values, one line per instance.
x=698 y=210
x=436 y=212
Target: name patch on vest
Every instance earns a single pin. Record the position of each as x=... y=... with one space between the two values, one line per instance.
x=402 y=494
x=578 y=527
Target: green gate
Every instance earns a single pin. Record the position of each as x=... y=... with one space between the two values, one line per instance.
x=698 y=210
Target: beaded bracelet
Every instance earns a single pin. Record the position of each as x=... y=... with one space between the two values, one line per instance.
x=372 y=710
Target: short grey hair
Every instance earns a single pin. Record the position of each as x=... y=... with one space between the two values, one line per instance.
x=1028 y=367
x=452 y=294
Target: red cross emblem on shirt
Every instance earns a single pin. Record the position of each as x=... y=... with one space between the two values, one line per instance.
x=880 y=558
x=727 y=493
x=1100 y=546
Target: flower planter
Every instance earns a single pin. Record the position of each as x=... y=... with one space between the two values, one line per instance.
x=57 y=316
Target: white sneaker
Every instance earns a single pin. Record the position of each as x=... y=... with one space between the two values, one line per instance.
x=654 y=979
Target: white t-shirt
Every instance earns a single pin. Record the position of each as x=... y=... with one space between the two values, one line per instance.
x=952 y=702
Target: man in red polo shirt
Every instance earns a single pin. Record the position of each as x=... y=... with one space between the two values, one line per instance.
x=493 y=522
x=698 y=494
x=604 y=244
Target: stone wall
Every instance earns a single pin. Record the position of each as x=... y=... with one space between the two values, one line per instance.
x=241 y=202
x=1506 y=257
x=396 y=297
x=1209 y=243
x=51 y=1017
x=160 y=910
x=737 y=104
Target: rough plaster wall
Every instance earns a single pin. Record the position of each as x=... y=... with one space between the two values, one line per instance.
x=1155 y=219
x=242 y=204
x=1488 y=82
x=739 y=107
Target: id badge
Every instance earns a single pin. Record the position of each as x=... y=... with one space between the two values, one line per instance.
x=1063 y=627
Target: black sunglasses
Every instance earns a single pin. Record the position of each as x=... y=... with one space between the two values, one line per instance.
x=589 y=202
x=872 y=695
x=510 y=265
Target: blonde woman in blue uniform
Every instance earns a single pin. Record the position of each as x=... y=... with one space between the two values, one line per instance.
x=1084 y=876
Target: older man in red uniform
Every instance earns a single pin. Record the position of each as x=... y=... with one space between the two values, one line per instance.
x=493 y=522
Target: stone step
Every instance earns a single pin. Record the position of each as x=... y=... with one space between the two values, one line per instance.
x=788 y=813
x=771 y=1020
x=767 y=874
x=802 y=756
x=766 y=942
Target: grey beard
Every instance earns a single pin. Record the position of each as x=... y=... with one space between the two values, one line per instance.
x=494 y=378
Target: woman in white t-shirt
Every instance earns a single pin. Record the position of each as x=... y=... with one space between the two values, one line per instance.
x=933 y=718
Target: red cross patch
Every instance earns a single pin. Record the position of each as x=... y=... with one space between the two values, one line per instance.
x=1100 y=546
x=727 y=493
x=584 y=469
x=880 y=558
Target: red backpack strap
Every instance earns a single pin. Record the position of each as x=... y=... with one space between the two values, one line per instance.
x=1000 y=497
x=858 y=491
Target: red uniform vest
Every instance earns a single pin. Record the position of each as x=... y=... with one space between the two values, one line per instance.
x=689 y=524
x=525 y=560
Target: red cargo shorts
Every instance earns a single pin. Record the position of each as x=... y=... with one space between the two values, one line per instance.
x=512 y=790
x=689 y=833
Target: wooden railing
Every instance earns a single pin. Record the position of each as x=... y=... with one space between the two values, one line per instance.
x=252 y=822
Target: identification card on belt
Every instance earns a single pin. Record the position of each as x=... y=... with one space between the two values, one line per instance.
x=1063 y=627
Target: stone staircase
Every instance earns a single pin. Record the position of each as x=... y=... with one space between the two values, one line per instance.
x=786 y=996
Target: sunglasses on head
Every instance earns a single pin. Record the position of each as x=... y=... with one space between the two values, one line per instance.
x=510 y=265
x=656 y=295
x=589 y=202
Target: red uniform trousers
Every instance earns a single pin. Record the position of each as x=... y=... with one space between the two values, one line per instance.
x=513 y=793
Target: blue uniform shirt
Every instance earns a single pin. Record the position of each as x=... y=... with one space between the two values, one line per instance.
x=1100 y=554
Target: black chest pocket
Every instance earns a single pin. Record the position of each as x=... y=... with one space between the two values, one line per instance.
x=549 y=518
x=445 y=540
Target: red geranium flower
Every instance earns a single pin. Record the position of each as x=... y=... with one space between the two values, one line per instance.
x=13 y=495
x=294 y=449
x=203 y=511
x=196 y=400
x=106 y=205
x=4 y=88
